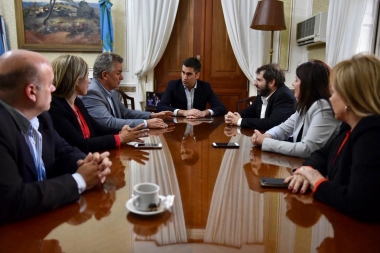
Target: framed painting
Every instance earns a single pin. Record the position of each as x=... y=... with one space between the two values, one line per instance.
x=58 y=25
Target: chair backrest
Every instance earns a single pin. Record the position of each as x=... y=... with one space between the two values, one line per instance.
x=244 y=103
x=125 y=99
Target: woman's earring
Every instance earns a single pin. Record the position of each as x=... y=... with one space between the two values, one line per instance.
x=347 y=108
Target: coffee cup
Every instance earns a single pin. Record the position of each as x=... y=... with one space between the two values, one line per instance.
x=145 y=197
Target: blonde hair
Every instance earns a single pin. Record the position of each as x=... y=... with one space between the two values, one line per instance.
x=68 y=69
x=357 y=81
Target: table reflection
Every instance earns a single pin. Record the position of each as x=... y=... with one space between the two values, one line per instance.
x=219 y=204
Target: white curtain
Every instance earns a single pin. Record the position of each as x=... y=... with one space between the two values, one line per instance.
x=251 y=47
x=153 y=24
x=344 y=21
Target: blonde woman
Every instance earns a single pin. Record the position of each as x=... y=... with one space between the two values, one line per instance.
x=70 y=117
x=345 y=174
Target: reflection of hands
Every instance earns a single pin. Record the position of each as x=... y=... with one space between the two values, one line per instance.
x=232 y=118
x=97 y=203
x=258 y=138
x=230 y=131
x=94 y=168
x=116 y=179
x=128 y=134
x=137 y=155
x=165 y=115
x=192 y=122
x=305 y=199
x=156 y=123
x=158 y=132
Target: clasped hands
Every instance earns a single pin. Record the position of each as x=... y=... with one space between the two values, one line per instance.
x=232 y=118
x=258 y=138
x=193 y=113
x=94 y=168
x=303 y=178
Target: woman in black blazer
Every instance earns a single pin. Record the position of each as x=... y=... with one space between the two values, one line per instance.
x=345 y=174
x=70 y=117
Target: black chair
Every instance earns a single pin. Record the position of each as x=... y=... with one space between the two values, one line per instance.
x=125 y=99
x=244 y=103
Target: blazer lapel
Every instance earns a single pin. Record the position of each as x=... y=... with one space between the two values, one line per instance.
x=114 y=98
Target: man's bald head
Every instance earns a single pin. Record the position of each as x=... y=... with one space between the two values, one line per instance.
x=19 y=68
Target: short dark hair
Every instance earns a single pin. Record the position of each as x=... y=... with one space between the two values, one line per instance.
x=194 y=63
x=105 y=62
x=193 y=160
x=272 y=72
x=315 y=79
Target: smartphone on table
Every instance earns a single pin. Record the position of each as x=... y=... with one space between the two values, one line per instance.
x=148 y=145
x=273 y=182
x=225 y=145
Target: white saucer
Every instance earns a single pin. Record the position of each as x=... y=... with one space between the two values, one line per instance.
x=160 y=209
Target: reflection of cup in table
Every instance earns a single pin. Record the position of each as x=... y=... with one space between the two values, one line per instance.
x=148 y=225
x=145 y=197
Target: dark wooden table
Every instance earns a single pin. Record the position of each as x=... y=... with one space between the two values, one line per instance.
x=219 y=205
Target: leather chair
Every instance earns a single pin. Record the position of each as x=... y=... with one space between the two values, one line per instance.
x=244 y=103
x=125 y=99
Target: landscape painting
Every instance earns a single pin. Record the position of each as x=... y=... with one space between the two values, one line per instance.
x=58 y=25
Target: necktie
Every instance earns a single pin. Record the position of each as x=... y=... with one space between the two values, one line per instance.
x=34 y=141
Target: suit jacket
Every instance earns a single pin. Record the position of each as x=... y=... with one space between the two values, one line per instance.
x=280 y=106
x=353 y=187
x=99 y=108
x=318 y=124
x=67 y=125
x=21 y=194
x=175 y=98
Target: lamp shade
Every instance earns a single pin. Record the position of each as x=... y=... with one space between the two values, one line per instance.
x=269 y=16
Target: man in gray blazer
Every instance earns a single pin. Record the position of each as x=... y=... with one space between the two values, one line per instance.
x=103 y=103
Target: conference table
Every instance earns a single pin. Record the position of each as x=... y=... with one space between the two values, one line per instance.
x=219 y=205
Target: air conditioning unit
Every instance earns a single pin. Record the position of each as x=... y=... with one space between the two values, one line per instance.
x=312 y=31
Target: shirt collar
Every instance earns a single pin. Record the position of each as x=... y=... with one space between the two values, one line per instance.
x=195 y=86
x=105 y=91
x=265 y=100
x=22 y=122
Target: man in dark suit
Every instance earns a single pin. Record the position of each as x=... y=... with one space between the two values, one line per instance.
x=274 y=104
x=189 y=96
x=39 y=170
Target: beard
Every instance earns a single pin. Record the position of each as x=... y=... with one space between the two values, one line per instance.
x=266 y=91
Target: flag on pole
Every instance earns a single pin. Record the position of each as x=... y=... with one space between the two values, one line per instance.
x=4 y=46
x=106 y=27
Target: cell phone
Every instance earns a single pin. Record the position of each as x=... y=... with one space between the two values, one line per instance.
x=148 y=145
x=273 y=182
x=225 y=145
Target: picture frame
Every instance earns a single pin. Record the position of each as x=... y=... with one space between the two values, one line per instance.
x=58 y=26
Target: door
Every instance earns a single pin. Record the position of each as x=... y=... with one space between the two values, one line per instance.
x=200 y=31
